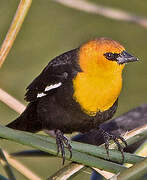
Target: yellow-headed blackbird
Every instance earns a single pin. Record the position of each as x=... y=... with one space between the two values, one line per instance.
x=77 y=91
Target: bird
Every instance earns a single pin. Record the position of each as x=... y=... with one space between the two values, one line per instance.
x=76 y=92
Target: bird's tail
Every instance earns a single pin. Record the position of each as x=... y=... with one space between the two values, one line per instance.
x=28 y=120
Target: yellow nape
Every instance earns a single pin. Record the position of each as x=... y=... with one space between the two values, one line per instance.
x=99 y=85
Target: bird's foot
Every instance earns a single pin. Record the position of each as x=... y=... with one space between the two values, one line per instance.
x=61 y=142
x=116 y=138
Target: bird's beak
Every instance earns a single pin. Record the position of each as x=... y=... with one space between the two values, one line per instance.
x=125 y=57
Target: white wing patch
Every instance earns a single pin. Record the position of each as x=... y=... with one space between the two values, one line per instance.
x=48 y=88
x=40 y=95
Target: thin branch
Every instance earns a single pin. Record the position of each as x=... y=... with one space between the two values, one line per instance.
x=142 y=150
x=11 y=102
x=6 y=165
x=134 y=172
x=104 y=11
x=67 y=171
x=105 y=174
x=131 y=135
x=21 y=168
x=18 y=19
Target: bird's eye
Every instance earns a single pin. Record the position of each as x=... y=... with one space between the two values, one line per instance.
x=111 y=56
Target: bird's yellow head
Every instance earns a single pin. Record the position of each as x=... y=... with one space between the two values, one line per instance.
x=98 y=85
x=104 y=56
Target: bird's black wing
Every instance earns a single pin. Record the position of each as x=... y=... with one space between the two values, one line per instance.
x=59 y=70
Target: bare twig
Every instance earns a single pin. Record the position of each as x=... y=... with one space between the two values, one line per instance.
x=105 y=174
x=104 y=11
x=11 y=102
x=21 y=12
x=7 y=167
x=21 y=168
x=66 y=171
x=142 y=150
x=134 y=172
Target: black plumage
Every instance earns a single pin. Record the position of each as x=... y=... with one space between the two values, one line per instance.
x=57 y=109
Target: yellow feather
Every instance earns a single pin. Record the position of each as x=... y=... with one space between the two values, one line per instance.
x=99 y=85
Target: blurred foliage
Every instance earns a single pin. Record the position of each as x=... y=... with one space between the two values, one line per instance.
x=51 y=29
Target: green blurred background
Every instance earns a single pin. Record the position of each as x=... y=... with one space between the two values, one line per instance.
x=51 y=29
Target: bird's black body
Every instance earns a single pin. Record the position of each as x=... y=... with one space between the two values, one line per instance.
x=57 y=109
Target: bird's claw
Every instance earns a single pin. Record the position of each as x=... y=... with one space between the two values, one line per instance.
x=115 y=138
x=61 y=142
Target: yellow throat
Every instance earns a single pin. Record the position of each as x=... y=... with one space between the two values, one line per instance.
x=98 y=86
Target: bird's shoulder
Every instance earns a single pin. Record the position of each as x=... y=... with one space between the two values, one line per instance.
x=59 y=70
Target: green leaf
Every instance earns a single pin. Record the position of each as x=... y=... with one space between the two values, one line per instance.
x=82 y=153
x=35 y=141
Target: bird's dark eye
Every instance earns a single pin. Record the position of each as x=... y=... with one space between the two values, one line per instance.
x=111 y=56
